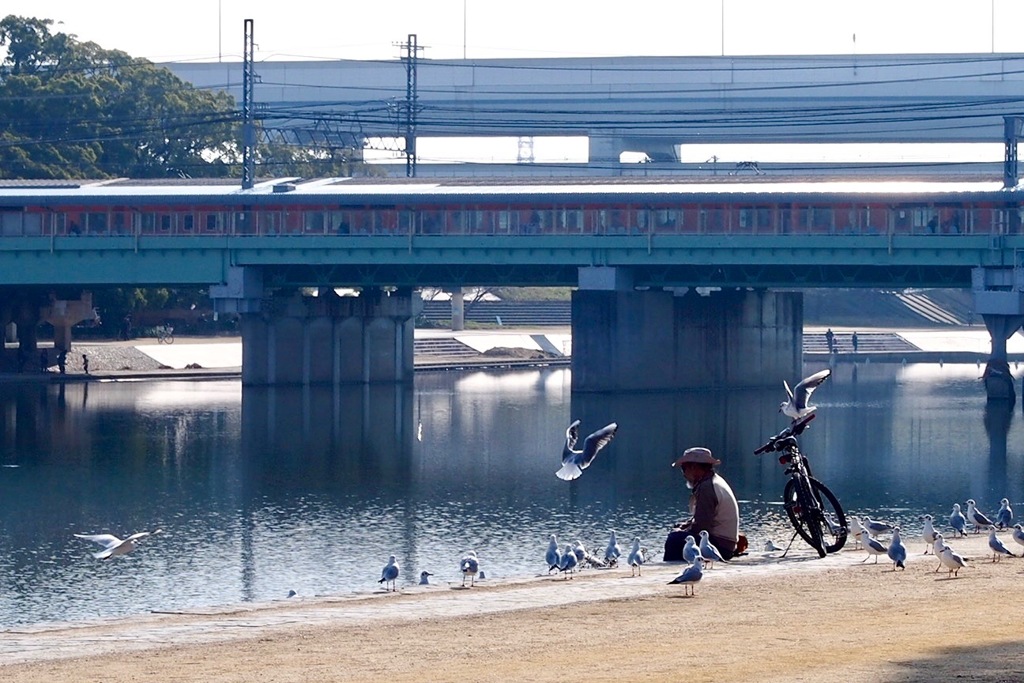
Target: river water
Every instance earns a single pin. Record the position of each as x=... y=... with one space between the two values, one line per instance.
x=263 y=491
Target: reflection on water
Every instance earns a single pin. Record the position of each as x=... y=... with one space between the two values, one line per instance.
x=263 y=491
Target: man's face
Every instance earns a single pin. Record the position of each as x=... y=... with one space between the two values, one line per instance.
x=692 y=472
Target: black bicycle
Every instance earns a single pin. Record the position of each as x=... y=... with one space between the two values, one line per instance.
x=812 y=508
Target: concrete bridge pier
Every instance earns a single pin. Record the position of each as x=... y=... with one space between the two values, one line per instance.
x=63 y=314
x=326 y=339
x=999 y=298
x=627 y=340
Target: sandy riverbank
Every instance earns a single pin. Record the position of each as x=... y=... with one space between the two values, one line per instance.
x=760 y=619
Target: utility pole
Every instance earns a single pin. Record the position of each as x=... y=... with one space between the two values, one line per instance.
x=412 y=50
x=248 y=127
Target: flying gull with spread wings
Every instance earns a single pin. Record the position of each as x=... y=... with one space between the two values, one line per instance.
x=573 y=461
x=799 y=405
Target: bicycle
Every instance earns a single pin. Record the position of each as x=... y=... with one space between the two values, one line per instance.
x=165 y=334
x=813 y=510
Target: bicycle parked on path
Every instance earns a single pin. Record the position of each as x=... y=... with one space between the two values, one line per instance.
x=812 y=508
x=165 y=334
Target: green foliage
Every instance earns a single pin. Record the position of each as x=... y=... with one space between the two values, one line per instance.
x=74 y=110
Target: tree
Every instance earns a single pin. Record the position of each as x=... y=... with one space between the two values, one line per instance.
x=71 y=110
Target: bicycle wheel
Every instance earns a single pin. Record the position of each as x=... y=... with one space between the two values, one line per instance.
x=817 y=515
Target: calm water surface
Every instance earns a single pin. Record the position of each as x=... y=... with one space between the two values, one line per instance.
x=264 y=491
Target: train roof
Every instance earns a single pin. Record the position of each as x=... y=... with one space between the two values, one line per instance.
x=389 y=191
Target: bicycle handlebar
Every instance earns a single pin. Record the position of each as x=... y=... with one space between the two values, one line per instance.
x=777 y=442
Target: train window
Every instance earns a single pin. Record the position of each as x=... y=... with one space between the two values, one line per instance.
x=96 y=222
x=313 y=221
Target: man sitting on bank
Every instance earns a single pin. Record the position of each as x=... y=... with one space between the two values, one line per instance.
x=713 y=507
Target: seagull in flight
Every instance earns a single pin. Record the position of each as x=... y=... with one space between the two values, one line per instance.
x=573 y=461
x=114 y=546
x=798 y=405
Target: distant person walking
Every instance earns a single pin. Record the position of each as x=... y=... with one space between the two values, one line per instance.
x=62 y=362
x=853 y=340
x=85 y=363
x=830 y=337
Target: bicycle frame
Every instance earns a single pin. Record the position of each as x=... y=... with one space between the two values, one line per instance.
x=804 y=497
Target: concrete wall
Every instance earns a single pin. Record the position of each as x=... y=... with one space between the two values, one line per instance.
x=654 y=340
x=329 y=340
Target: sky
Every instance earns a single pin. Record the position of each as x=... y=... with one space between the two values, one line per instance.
x=212 y=30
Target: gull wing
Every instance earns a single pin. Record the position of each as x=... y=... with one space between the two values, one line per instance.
x=108 y=541
x=803 y=390
x=789 y=392
x=596 y=441
x=572 y=435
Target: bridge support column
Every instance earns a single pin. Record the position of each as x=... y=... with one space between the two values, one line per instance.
x=654 y=340
x=64 y=314
x=458 y=303
x=999 y=298
x=329 y=340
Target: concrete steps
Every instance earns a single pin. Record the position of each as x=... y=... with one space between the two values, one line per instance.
x=867 y=342
x=505 y=313
x=443 y=347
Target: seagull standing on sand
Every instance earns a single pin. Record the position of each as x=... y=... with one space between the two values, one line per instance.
x=569 y=562
x=976 y=517
x=873 y=546
x=1018 y=534
x=876 y=527
x=1004 y=518
x=996 y=546
x=425 y=578
x=927 y=533
x=389 y=574
x=897 y=552
x=708 y=551
x=636 y=557
x=690 y=576
x=938 y=545
x=573 y=461
x=612 y=552
x=958 y=521
x=859 y=530
x=798 y=404
x=469 y=566
x=690 y=551
x=552 y=556
x=114 y=546
x=952 y=561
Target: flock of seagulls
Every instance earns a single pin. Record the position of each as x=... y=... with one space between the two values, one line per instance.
x=868 y=532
